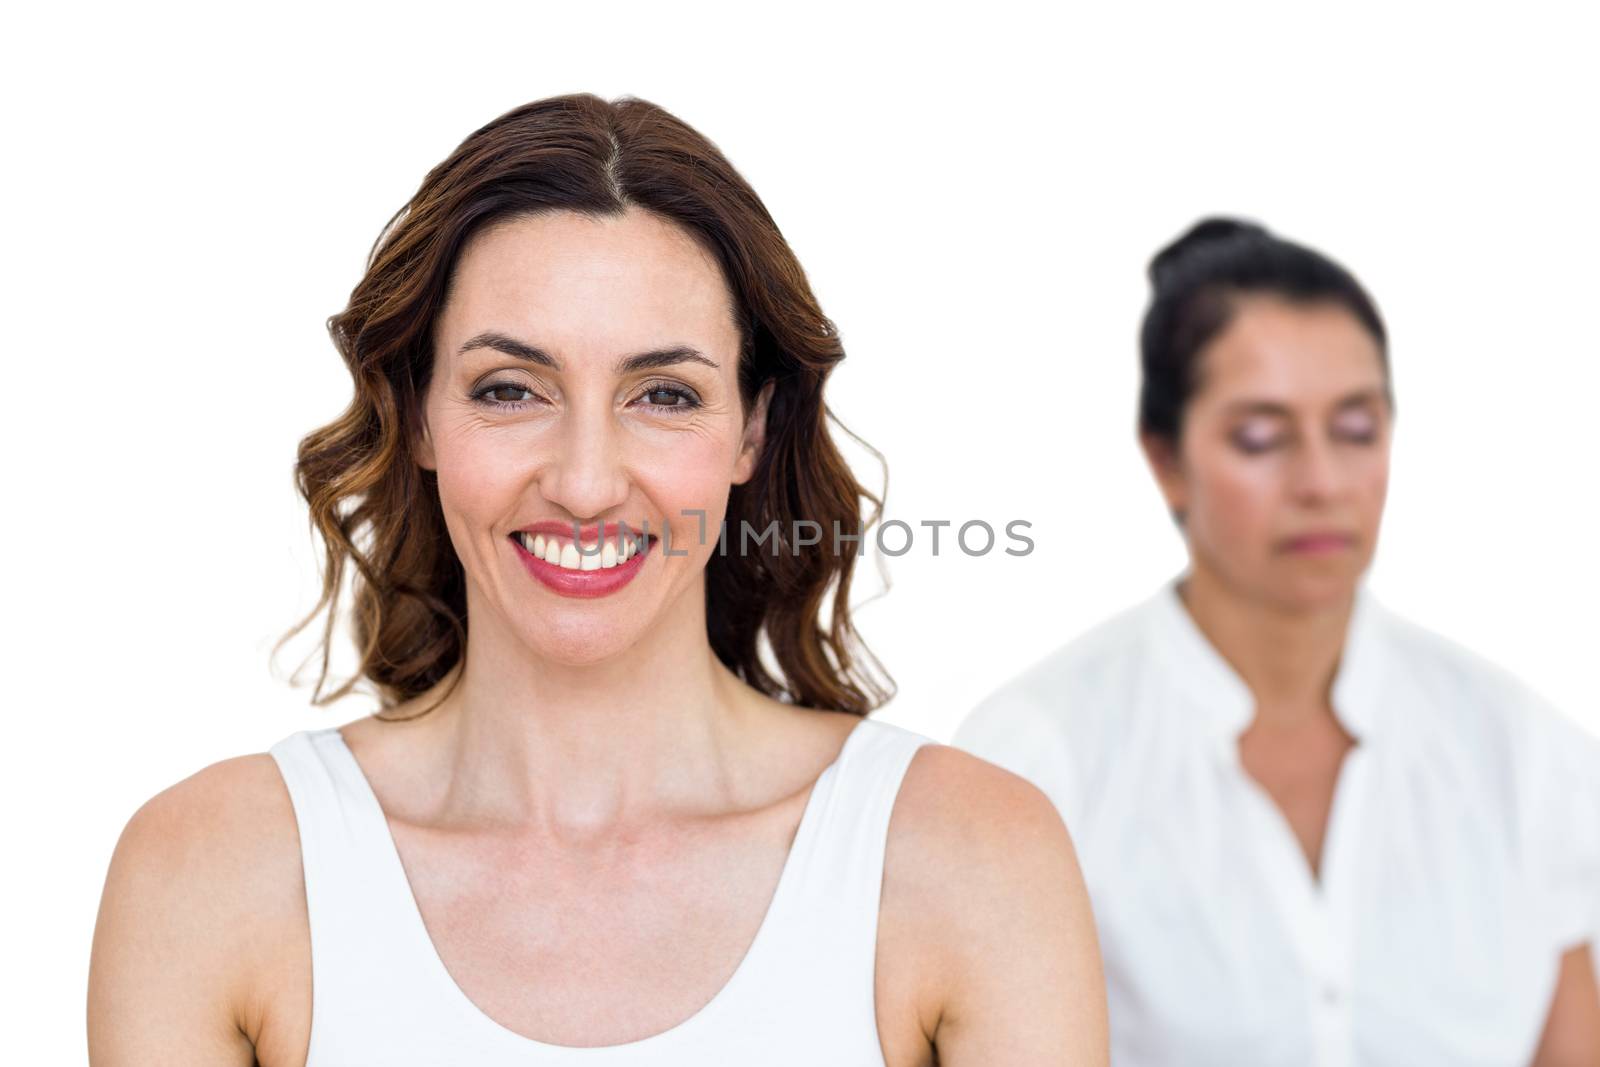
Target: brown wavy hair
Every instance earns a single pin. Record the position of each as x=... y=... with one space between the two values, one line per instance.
x=377 y=510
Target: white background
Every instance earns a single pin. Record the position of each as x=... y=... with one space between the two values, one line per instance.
x=974 y=195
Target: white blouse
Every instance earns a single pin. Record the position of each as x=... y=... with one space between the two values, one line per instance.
x=1462 y=853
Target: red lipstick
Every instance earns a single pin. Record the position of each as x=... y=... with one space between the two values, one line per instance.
x=602 y=581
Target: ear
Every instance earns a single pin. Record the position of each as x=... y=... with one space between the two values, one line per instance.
x=1166 y=464
x=422 y=437
x=755 y=436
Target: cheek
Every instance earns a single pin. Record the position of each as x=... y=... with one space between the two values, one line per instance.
x=692 y=472
x=1236 y=501
x=478 y=470
x=1374 y=483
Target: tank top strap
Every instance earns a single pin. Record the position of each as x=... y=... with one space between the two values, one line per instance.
x=365 y=941
x=849 y=835
x=826 y=924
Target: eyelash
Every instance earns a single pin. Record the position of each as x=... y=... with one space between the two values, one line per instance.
x=688 y=401
x=1244 y=445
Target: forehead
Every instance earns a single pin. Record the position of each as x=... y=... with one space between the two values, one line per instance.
x=580 y=283
x=1289 y=353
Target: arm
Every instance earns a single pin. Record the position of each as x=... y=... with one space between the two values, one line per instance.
x=183 y=926
x=1008 y=933
x=1572 y=1029
x=1565 y=774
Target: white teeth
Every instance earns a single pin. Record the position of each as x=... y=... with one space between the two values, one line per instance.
x=568 y=556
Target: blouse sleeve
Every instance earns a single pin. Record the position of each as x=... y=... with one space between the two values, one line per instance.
x=1565 y=780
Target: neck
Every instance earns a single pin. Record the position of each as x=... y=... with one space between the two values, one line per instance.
x=1288 y=658
x=583 y=751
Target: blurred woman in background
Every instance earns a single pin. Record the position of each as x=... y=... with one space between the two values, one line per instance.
x=1313 y=832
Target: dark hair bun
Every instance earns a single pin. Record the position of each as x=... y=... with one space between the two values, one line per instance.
x=1207 y=233
x=1194 y=283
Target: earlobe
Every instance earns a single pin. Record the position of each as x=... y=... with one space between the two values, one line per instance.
x=416 y=407
x=422 y=447
x=1161 y=454
x=755 y=436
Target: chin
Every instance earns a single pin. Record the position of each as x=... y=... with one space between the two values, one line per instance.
x=582 y=643
x=1316 y=588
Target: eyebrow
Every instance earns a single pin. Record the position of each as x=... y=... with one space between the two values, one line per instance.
x=656 y=357
x=1272 y=407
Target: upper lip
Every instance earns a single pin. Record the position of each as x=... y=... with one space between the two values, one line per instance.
x=590 y=534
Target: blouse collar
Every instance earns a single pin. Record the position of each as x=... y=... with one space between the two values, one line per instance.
x=1211 y=680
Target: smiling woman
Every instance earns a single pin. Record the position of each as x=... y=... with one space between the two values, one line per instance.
x=621 y=803
x=538 y=219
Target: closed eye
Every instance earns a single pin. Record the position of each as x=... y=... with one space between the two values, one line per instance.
x=1255 y=443
x=1358 y=427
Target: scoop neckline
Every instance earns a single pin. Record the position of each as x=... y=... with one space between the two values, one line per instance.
x=399 y=883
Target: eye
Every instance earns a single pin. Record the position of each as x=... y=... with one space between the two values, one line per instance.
x=1255 y=438
x=669 y=397
x=490 y=394
x=1360 y=427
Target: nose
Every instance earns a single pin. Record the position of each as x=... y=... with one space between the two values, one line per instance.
x=586 y=475
x=1316 y=474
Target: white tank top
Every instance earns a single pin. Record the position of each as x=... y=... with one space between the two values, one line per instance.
x=803 y=994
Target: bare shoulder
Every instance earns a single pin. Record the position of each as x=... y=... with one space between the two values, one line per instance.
x=966 y=833
x=954 y=805
x=983 y=891
x=212 y=800
x=203 y=900
x=215 y=835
